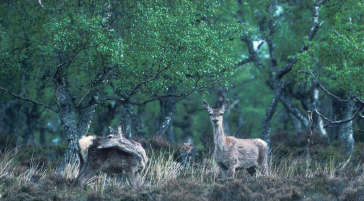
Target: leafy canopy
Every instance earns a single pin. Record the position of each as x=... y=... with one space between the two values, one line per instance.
x=338 y=56
x=130 y=41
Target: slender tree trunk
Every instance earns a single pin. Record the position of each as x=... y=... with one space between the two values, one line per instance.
x=315 y=104
x=32 y=119
x=266 y=126
x=126 y=118
x=42 y=136
x=286 y=100
x=138 y=121
x=170 y=134
x=4 y=107
x=168 y=108
x=297 y=124
x=239 y=127
x=345 y=130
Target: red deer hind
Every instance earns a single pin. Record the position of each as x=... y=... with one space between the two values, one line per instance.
x=231 y=153
x=111 y=154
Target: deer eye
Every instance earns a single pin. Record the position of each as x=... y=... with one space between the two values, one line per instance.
x=221 y=113
x=110 y=136
x=210 y=114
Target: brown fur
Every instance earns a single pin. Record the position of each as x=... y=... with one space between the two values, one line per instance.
x=228 y=141
x=231 y=153
x=186 y=147
x=111 y=154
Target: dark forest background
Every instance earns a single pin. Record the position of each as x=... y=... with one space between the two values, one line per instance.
x=73 y=68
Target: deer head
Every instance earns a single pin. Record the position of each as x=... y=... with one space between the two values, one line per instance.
x=216 y=114
x=113 y=139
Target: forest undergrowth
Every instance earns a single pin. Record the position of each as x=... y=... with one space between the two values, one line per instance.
x=328 y=175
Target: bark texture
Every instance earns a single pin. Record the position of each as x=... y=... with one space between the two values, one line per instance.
x=315 y=104
x=168 y=107
x=75 y=120
x=344 y=131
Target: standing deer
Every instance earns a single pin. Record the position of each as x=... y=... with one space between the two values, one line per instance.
x=232 y=153
x=111 y=154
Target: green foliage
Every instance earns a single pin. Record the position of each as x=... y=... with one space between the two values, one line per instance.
x=338 y=55
x=132 y=40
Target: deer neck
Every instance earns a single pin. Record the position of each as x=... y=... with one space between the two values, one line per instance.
x=219 y=138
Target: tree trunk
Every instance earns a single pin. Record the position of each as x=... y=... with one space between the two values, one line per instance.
x=168 y=107
x=4 y=107
x=127 y=120
x=239 y=127
x=73 y=130
x=170 y=133
x=266 y=126
x=286 y=100
x=138 y=121
x=42 y=136
x=68 y=115
x=297 y=124
x=32 y=115
x=345 y=130
x=315 y=105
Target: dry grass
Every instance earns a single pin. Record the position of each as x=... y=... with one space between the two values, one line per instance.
x=337 y=178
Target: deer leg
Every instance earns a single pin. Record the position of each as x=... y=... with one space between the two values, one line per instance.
x=222 y=170
x=132 y=179
x=251 y=170
x=85 y=175
x=80 y=173
x=264 y=167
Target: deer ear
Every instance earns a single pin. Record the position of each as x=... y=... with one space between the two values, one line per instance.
x=120 y=128
x=225 y=105
x=111 y=129
x=206 y=106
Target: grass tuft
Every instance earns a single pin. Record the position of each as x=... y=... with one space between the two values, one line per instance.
x=329 y=178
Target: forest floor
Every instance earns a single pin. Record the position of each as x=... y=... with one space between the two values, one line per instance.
x=26 y=174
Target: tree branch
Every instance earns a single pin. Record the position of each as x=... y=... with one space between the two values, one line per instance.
x=341 y=121
x=242 y=62
x=293 y=109
x=323 y=88
x=58 y=69
x=338 y=34
x=29 y=99
x=145 y=81
x=311 y=34
x=94 y=84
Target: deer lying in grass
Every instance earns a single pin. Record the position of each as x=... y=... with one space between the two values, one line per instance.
x=111 y=154
x=188 y=154
x=232 y=153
